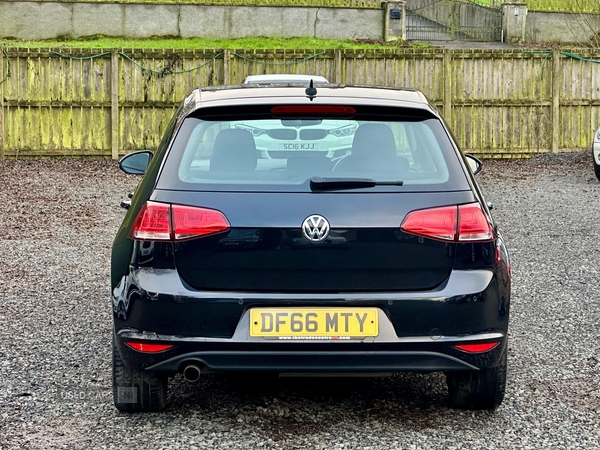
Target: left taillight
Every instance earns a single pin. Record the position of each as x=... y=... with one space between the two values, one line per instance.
x=153 y=223
x=163 y=222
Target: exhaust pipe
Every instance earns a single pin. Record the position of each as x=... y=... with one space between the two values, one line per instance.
x=191 y=373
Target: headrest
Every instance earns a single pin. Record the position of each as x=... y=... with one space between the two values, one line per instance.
x=374 y=139
x=234 y=151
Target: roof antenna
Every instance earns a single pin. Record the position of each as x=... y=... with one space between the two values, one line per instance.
x=311 y=91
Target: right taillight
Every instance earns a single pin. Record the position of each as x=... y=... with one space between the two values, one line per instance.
x=163 y=222
x=463 y=223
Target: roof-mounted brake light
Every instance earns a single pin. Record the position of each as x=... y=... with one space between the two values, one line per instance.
x=314 y=109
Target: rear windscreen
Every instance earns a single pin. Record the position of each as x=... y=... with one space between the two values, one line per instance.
x=284 y=153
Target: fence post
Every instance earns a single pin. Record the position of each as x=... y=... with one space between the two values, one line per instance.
x=226 y=74
x=556 y=82
x=114 y=104
x=452 y=19
x=338 y=66
x=3 y=76
x=447 y=61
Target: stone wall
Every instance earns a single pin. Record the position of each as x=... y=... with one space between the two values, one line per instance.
x=34 y=20
x=47 y=19
x=562 y=27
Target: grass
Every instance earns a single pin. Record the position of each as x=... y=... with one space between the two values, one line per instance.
x=574 y=6
x=250 y=43
x=303 y=3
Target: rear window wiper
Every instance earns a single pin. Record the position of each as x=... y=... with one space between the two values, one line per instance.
x=338 y=183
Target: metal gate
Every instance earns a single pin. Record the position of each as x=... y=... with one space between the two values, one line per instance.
x=449 y=20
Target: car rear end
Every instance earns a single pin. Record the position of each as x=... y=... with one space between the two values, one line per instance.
x=365 y=255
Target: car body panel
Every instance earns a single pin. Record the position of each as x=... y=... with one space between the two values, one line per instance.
x=333 y=94
x=365 y=249
x=596 y=153
x=274 y=79
x=596 y=146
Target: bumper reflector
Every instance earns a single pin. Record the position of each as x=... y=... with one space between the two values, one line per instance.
x=148 y=348
x=477 y=348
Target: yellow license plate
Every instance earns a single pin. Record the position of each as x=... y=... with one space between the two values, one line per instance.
x=317 y=323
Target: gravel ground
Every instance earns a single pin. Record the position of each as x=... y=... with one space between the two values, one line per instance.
x=56 y=226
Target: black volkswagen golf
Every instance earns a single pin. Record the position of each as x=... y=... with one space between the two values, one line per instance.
x=307 y=230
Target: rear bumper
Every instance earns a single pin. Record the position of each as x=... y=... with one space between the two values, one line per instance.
x=157 y=301
x=418 y=330
x=314 y=361
x=416 y=354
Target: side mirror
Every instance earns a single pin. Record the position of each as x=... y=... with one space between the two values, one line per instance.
x=135 y=163
x=474 y=163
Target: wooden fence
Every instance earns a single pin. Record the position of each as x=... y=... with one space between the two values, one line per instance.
x=82 y=102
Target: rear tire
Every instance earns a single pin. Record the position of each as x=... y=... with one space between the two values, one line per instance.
x=137 y=390
x=483 y=389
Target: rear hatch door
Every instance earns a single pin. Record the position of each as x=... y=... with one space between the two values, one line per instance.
x=266 y=250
